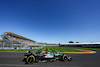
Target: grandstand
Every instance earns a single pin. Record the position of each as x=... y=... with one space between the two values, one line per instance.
x=18 y=41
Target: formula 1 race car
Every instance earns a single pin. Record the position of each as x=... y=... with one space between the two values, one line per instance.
x=44 y=56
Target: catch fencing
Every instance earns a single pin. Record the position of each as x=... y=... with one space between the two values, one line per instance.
x=21 y=47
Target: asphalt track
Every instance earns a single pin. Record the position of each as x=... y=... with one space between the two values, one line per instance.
x=14 y=59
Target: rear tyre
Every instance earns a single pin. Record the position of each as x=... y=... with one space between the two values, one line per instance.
x=30 y=60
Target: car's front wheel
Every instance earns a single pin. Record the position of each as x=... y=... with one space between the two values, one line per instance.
x=64 y=58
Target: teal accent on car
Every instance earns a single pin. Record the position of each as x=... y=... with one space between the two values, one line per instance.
x=57 y=54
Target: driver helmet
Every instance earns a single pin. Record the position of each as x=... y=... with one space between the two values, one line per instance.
x=45 y=51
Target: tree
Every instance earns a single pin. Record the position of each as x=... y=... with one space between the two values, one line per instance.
x=71 y=42
x=59 y=44
x=77 y=42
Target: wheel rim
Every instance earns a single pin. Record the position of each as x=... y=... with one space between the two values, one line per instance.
x=65 y=58
x=30 y=59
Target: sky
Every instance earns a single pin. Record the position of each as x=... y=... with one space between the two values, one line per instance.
x=52 y=21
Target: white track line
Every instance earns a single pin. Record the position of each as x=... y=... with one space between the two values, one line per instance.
x=17 y=65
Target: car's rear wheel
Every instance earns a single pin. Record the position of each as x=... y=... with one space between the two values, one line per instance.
x=30 y=60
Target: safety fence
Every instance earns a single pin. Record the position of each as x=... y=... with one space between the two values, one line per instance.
x=21 y=47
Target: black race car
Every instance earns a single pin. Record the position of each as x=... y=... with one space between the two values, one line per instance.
x=44 y=56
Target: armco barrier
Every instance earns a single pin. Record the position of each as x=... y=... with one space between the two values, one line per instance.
x=21 y=47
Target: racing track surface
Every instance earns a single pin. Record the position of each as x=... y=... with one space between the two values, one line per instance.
x=14 y=59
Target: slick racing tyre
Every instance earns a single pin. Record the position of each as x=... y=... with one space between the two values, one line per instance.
x=64 y=58
x=30 y=60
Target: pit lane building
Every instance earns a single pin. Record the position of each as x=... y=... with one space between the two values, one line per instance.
x=96 y=45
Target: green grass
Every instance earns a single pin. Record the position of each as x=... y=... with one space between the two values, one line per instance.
x=34 y=50
x=81 y=48
x=60 y=49
x=50 y=49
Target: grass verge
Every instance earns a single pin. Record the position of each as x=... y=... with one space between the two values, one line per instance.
x=81 y=48
x=50 y=49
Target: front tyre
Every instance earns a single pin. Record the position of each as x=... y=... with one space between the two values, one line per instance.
x=30 y=60
x=64 y=58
